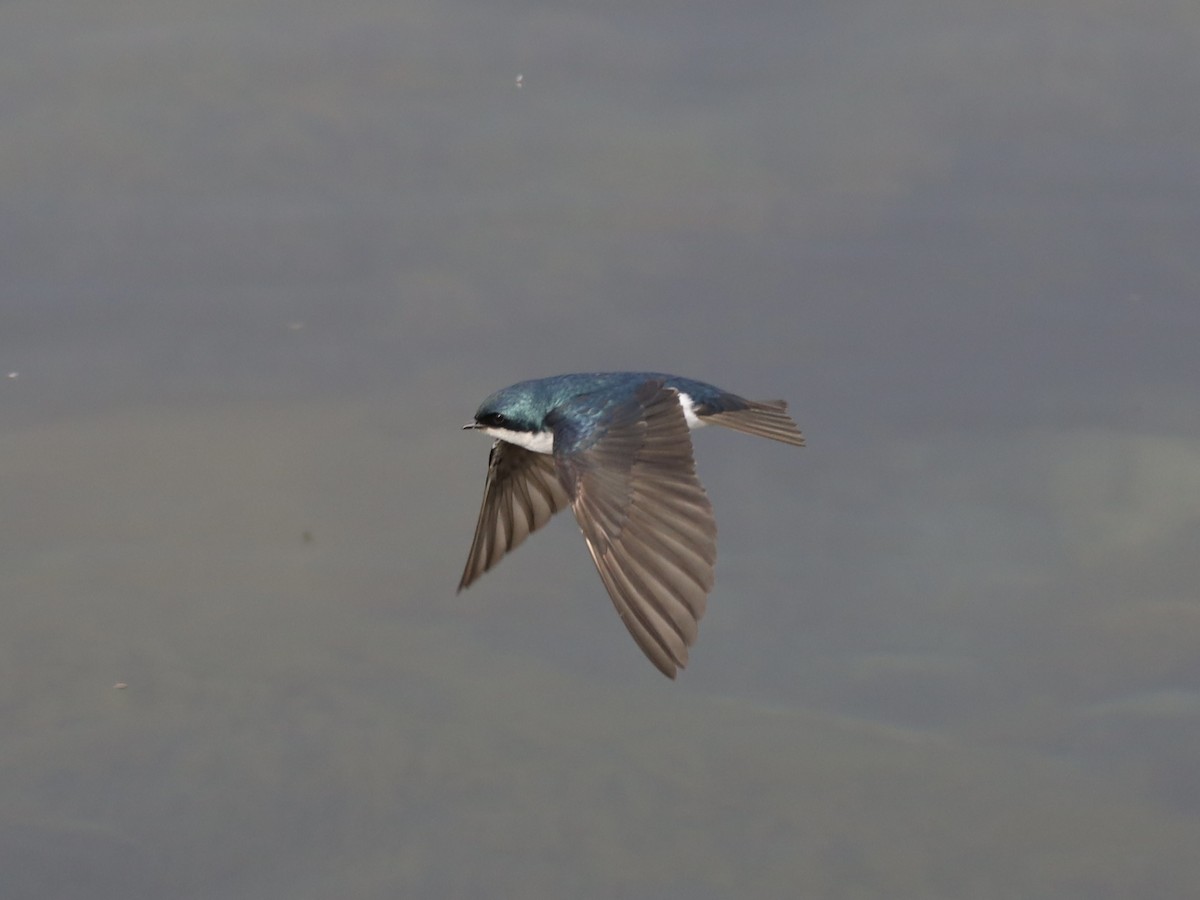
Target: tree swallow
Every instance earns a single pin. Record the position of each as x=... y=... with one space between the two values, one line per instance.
x=615 y=447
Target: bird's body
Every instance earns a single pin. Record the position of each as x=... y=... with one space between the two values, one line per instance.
x=615 y=447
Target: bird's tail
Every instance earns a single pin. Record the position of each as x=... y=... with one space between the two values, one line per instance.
x=764 y=418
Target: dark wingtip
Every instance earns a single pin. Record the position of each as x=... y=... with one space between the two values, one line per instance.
x=669 y=667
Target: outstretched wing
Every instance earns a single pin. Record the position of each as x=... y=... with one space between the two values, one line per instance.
x=521 y=494
x=647 y=521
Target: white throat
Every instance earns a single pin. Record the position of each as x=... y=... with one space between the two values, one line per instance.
x=538 y=442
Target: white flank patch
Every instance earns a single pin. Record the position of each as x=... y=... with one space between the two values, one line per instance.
x=538 y=442
x=689 y=411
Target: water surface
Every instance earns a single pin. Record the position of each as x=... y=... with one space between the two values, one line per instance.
x=261 y=259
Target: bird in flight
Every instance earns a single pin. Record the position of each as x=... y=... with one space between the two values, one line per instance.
x=615 y=447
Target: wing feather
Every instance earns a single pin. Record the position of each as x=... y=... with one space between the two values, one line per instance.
x=648 y=523
x=522 y=493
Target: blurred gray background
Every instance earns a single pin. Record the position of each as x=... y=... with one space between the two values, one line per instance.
x=259 y=260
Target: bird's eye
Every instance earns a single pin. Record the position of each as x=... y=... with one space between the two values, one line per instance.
x=493 y=420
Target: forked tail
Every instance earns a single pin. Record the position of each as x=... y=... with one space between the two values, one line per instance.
x=764 y=418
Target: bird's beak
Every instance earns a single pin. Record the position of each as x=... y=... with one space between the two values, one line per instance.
x=470 y=425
